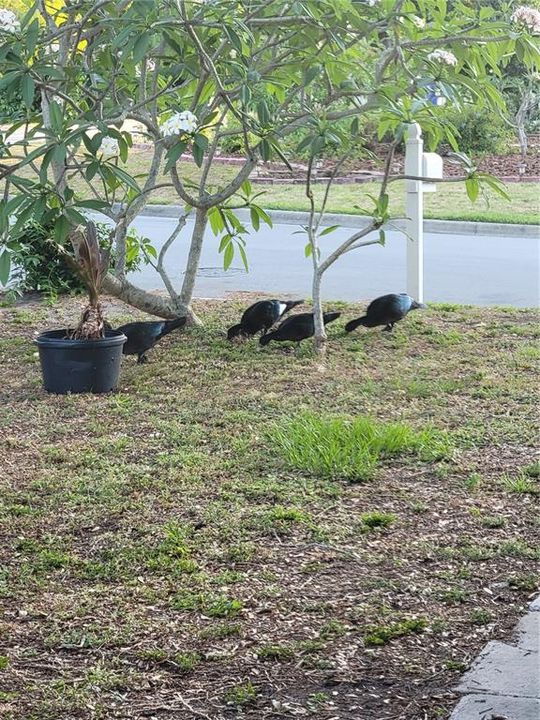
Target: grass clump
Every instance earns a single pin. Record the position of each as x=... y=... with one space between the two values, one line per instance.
x=280 y=653
x=378 y=635
x=376 y=519
x=521 y=484
x=244 y=694
x=351 y=447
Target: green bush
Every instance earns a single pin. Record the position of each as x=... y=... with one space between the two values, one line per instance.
x=39 y=266
x=481 y=132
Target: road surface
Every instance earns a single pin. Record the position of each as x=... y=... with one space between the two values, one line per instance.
x=478 y=270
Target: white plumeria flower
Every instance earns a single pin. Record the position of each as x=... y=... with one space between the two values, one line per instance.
x=418 y=21
x=443 y=56
x=371 y=3
x=8 y=21
x=184 y=122
x=527 y=17
x=109 y=147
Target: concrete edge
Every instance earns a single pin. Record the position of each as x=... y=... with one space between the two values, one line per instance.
x=290 y=217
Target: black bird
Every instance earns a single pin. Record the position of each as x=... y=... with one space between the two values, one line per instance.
x=297 y=328
x=385 y=310
x=261 y=316
x=141 y=336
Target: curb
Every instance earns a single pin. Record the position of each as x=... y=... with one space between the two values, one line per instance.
x=291 y=217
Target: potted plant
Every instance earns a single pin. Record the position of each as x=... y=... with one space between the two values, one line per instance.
x=87 y=358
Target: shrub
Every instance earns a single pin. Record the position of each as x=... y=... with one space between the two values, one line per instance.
x=481 y=132
x=40 y=267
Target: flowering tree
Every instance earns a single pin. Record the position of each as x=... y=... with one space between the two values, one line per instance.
x=194 y=72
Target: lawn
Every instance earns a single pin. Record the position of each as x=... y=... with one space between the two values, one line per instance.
x=449 y=202
x=241 y=532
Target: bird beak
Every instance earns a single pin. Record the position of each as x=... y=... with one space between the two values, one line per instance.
x=419 y=306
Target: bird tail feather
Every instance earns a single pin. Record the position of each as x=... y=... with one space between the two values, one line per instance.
x=292 y=304
x=330 y=317
x=353 y=324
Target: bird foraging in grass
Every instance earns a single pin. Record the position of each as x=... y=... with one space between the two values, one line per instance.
x=385 y=310
x=260 y=317
x=141 y=336
x=297 y=328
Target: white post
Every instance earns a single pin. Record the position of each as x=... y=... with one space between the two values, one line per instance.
x=415 y=213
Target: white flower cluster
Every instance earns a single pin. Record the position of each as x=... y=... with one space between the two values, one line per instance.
x=109 y=147
x=527 y=17
x=443 y=56
x=418 y=21
x=9 y=22
x=184 y=122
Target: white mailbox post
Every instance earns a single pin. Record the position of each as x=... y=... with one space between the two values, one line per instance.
x=419 y=164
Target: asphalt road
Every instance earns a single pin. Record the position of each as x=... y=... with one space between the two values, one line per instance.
x=478 y=270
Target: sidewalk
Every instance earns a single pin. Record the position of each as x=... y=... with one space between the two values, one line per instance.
x=504 y=680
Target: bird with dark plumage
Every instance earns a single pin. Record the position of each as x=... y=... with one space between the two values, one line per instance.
x=141 y=336
x=297 y=328
x=260 y=317
x=385 y=310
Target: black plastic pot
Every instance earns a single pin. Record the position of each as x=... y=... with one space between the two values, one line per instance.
x=78 y=366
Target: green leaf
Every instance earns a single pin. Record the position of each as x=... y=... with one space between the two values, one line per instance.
x=244 y=257
x=228 y=256
x=92 y=204
x=28 y=88
x=308 y=250
x=198 y=154
x=62 y=227
x=5 y=267
x=225 y=240
x=473 y=188
x=141 y=47
x=265 y=150
x=382 y=237
x=328 y=230
x=173 y=154
x=255 y=221
x=246 y=188
x=216 y=221
x=55 y=113
x=31 y=37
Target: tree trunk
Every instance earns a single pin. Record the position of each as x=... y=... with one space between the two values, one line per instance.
x=521 y=119
x=192 y=266
x=319 y=337
x=140 y=299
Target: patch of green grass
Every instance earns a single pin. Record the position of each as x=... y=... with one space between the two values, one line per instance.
x=377 y=519
x=453 y=596
x=524 y=582
x=533 y=470
x=186 y=661
x=215 y=606
x=221 y=631
x=279 y=653
x=521 y=484
x=473 y=481
x=481 y=617
x=244 y=694
x=492 y=521
x=351 y=447
x=4 y=662
x=378 y=635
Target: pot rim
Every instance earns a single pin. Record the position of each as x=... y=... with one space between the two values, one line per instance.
x=57 y=339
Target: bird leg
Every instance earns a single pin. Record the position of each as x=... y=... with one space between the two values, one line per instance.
x=388 y=327
x=142 y=359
